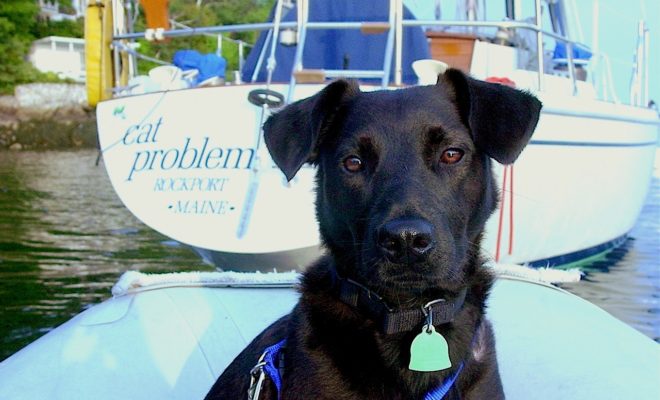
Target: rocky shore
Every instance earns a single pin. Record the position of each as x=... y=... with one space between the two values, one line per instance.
x=43 y=116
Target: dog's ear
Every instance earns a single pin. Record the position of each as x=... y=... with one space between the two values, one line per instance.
x=500 y=118
x=294 y=134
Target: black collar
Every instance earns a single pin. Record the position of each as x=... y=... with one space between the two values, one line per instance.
x=396 y=320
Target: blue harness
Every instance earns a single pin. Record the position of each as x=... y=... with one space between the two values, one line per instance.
x=270 y=368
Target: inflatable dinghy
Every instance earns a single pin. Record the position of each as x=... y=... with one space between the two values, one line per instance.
x=170 y=336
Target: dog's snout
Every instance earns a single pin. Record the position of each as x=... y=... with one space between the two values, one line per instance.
x=406 y=240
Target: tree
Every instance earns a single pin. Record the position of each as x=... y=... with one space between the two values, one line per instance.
x=45 y=27
x=20 y=25
x=17 y=17
x=197 y=13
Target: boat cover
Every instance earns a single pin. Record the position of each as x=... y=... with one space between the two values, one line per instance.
x=209 y=65
x=172 y=342
x=334 y=48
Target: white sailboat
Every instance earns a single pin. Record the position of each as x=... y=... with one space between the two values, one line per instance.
x=189 y=163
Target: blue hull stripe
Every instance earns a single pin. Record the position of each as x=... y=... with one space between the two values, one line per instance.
x=589 y=144
x=578 y=255
x=647 y=120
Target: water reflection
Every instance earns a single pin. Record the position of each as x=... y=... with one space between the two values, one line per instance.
x=626 y=282
x=65 y=238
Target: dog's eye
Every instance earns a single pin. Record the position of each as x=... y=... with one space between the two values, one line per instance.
x=451 y=156
x=353 y=164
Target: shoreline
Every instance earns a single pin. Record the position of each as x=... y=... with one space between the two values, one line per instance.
x=47 y=116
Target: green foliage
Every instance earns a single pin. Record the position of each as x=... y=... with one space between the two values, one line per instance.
x=17 y=18
x=66 y=7
x=19 y=26
x=16 y=21
x=66 y=28
x=210 y=13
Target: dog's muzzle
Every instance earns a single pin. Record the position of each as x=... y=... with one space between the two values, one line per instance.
x=405 y=240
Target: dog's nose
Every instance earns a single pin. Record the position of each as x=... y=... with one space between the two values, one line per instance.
x=406 y=240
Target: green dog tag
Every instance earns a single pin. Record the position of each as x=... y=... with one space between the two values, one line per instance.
x=429 y=351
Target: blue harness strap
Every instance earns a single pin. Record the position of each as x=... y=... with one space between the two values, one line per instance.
x=271 y=358
x=442 y=390
x=271 y=368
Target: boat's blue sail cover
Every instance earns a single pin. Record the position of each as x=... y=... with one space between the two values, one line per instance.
x=341 y=48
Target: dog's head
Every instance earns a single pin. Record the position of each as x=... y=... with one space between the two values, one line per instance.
x=404 y=176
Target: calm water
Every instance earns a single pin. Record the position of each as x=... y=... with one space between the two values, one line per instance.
x=65 y=238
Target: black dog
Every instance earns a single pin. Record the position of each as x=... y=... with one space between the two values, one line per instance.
x=404 y=190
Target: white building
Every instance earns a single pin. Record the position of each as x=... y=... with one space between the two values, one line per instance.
x=51 y=9
x=64 y=56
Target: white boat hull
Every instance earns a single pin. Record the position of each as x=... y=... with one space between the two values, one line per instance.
x=173 y=342
x=580 y=183
x=195 y=176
